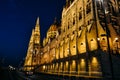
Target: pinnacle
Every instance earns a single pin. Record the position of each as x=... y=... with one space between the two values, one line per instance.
x=37 y=21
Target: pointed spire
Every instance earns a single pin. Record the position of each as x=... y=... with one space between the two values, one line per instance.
x=32 y=36
x=37 y=22
x=37 y=26
x=33 y=32
x=37 y=30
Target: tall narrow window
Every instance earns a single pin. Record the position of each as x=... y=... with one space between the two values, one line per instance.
x=68 y=23
x=88 y=8
x=80 y=15
x=80 y=28
x=73 y=19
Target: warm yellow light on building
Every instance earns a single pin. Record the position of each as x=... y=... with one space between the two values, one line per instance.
x=95 y=64
x=82 y=60
x=61 y=65
x=67 y=50
x=116 y=38
x=66 y=66
x=73 y=65
x=94 y=60
x=73 y=62
x=82 y=63
x=44 y=67
x=56 y=68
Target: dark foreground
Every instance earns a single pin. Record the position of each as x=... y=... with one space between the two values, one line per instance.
x=7 y=74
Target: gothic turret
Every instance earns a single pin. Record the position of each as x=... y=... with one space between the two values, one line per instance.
x=33 y=53
x=37 y=32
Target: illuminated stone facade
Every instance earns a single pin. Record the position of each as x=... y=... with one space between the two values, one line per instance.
x=88 y=29
x=33 y=56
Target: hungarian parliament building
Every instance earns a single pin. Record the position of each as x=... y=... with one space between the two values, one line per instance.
x=85 y=42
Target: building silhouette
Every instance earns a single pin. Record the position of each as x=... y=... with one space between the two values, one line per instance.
x=86 y=42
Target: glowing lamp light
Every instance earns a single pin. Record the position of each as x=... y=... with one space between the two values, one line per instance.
x=82 y=63
x=82 y=60
x=116 y=38
x=98 y=39
x=94 y=60
x=44 y=67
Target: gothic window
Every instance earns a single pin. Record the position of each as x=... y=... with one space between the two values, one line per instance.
x=68 y=23
x=73 y=32
x=73 y=19
x=67 y=36
x=88 y=8
x=80 y=15
x=88 y=22
x=79 y=28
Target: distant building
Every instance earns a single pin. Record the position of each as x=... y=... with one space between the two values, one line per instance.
x=89 y=32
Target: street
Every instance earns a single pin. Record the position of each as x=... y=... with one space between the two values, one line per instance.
x=7 y=74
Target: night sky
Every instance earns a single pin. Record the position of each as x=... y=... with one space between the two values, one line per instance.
x=17 y=19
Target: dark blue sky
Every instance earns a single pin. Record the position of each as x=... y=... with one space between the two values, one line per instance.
x=17 y=19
